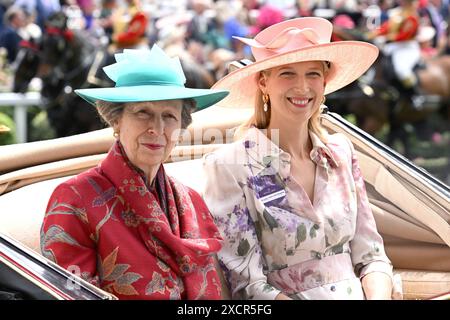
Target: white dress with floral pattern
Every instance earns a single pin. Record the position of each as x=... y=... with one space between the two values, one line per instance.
x=275 y=239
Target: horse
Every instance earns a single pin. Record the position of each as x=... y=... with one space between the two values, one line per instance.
x=26 y=64
x=64 y=60
x=435 y=78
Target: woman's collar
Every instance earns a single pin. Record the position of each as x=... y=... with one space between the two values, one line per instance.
x=265 y=150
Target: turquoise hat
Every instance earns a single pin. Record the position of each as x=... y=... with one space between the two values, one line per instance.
x=149 y=75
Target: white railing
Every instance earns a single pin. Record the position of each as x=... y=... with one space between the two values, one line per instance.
x=20 y=102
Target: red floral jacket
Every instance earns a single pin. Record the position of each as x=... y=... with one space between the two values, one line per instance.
x=107 y=226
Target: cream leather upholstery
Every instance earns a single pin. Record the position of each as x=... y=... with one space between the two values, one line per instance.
x=413 y=221
x=423 y=285
x=22 y=211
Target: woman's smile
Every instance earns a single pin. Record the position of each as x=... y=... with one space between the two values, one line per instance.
x=300 y=102
x=153 y=146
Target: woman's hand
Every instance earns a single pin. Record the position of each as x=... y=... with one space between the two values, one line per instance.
x=377 y=286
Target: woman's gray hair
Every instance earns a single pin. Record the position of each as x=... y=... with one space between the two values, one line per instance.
x=110 y=112
x=186 y=113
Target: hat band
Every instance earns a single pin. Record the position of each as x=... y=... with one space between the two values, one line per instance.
x=148 y=83
x=289 y=40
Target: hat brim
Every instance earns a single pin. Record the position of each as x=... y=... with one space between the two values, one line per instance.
x=349 y=60
x=203 y=97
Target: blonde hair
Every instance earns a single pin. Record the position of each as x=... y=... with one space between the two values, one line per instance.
x=261 y=119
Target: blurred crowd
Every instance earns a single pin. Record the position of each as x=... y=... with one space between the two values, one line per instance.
x=202 y=31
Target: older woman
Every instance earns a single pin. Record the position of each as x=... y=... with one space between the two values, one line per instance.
x=125 y=225
x=288 y=197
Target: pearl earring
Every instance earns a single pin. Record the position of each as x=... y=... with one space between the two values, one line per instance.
x=265 y=98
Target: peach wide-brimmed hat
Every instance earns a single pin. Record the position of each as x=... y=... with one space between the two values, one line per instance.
x=291 y=41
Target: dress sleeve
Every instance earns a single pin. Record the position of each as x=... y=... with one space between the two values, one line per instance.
x=66 y=238
x=241 y=257
x=367 y=248
x=384 y=29
x=408 y=29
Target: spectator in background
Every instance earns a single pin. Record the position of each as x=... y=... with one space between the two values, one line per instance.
x=232 y=23
x=399 y=33
x=445 y=9
x=200 y=24
x=130 y=26
x=87 y=8
x=199 y=30
x=425 y=39
x=43 y=9
x=14 y=19
x=267 y=16
x=343 y=28
x=384 y=6
x=30 y=31
x=305 y=8
x=106 y=17
x=431 y=14
x=287 y=7
x=4 y=5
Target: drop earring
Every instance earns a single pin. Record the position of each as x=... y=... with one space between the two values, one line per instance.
x=265 y=98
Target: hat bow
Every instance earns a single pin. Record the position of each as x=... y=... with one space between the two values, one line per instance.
x=287 y=40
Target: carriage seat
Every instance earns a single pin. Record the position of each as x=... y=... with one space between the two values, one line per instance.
x=23 y=212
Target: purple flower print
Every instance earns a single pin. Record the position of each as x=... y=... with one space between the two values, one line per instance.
x=243 y=219
x=287 y=220
x=241 y=223
x=264 y=184
x=249 y=144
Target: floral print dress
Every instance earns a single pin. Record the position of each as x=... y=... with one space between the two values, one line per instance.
x=276 y=240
